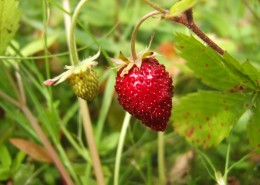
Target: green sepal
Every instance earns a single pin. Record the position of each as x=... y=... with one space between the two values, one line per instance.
x=181 y=7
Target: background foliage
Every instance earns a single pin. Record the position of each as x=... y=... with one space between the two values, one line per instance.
x=216 y=102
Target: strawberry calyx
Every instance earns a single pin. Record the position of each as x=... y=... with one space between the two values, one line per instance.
x=82 y=67
x=128 y=62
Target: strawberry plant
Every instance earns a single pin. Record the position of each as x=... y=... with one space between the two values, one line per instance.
x=184 y=110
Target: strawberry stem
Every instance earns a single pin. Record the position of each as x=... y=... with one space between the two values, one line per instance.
x=120 y=147
x=137 y=26
x=72 y=42
x=161 y=159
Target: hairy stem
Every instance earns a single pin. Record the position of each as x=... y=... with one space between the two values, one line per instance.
x=133 y=38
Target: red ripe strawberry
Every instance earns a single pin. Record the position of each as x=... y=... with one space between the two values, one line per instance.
x=146 y=93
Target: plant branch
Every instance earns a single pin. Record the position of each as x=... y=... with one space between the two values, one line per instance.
x=187 y=20
x=137 y=26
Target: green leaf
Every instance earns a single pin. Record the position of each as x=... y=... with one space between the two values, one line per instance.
x=106 y=102
x=253 y=128
x=38 y=45
x=206 y=118
x=254 y=74
x=5 y=158
x=222 y=73
x=4 y=173
x=9 y=22
x=181 y=7
x=245 y=73
x=17 y=161
x=24 y=173
x=109 y=143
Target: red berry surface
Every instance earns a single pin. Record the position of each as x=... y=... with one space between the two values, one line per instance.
x=146 y=93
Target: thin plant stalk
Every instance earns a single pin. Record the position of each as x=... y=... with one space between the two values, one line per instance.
x=226 y=164
x=46 y=16
x=91 y=142
x=70 y=29
x=120 y=147
x=161 y=160
x=33 y=121
x=137 y=26
x=48 y=145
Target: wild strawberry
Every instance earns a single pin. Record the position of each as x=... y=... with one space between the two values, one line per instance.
x=82 y=79
x=85 y=84
x=146 y=92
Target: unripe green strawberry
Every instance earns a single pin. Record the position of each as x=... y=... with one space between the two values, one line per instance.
x=82 y=78
x=85 y=84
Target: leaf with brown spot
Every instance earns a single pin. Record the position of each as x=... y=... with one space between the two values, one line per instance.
x=32 y=149
x=210 y=120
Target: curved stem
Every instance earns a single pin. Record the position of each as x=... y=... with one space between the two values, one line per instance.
x=120 y=147
x=134 y=55
x=72 y=42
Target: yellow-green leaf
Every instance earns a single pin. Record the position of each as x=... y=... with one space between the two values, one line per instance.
x=220 y=72
x=9 y=22
x=206 y=118
x=181 y=7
